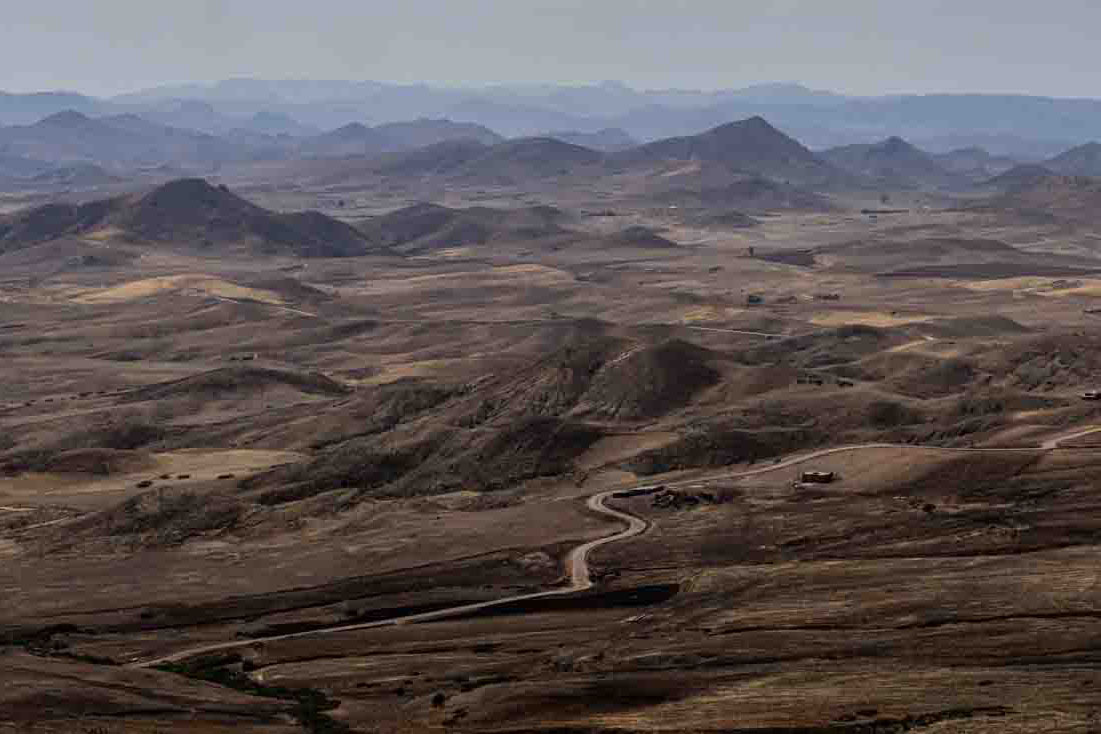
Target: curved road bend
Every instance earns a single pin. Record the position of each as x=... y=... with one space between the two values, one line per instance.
x=577 y=562
x=577 y=565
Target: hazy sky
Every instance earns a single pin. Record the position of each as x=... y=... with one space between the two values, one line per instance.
x=856 y=46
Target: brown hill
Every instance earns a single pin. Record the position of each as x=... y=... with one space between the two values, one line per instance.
x=1085 y=160
x=752 y=194
x=824 y=348
x=517 y=161
x=232 y=381
x=78 y=175
x=97 y=462
x=126 y=140
x=352 y=139
x=650 y=382
x=951 y=257
x=1046 y=362
x=51 y=221
x=640 y=237
x=65 y=255
x=412 y=134
x=191 y=212
x=733 y=220
x=892 y=163
x=357 y=139
x=426 y=227
x=750 y=146
x=471 y=161
x=1019 y=178
x=433 y=160
x=974 y=163
x=604 y=377
x=608 y=140
x=1071 y=198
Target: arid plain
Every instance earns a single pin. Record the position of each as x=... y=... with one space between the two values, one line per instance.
x=237 y=440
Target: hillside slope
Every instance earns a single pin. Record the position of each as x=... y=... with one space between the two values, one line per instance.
x=190 y=212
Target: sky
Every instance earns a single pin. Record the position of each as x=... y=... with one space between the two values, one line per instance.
x=867 y=47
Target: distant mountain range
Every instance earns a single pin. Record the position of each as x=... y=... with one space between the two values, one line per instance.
x=1028 y=128
x=749 y=161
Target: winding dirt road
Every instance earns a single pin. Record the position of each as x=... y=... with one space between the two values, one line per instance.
x=577 y=562
x=577 y=565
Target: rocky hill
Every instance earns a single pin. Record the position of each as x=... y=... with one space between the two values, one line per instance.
x=751 y=146
x=1085 y=160
x=188 y=212
x=892 y=163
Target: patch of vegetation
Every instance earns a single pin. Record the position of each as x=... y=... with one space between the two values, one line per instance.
x=310 y=704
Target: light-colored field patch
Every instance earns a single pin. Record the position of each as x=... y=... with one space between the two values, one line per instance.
x=8 y=548
x=106 y=234
x=454 y=252
x=687 y=170
x=867 y=318
x=534 y=273
x=88 y=492
x=191 y=283
x=1040 y=286
x=518 y=275
x=704 y=314
x=423 y=368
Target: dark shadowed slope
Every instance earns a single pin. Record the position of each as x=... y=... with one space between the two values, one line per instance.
x=752 y=194
x=516 y=161
x=189 y=212
x=749 y=146
x=1085 y=160
x=892 y=162
x=427 y=227
x=1066 y=198
x=1019 y=177
x=609 y=140
x=124 y=140
x=357 y=139
x=975 y=163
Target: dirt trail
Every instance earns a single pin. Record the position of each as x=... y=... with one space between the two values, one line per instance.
x=577 y=562
x=1054 y=443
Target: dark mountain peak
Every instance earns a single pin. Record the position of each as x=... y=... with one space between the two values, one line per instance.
x=190 y=190
x=1091 y=147
x=131 y=119
x=973 y=150
x=756 y=133
x=758 y=122
x=1021 y=177
x=65 y=119
x=1084 y=160
x=189 y=212
x=183 y=206
x=543 y=150
x=352 y=128
x=749 y=146
x=895 y=144
x=755 y=125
